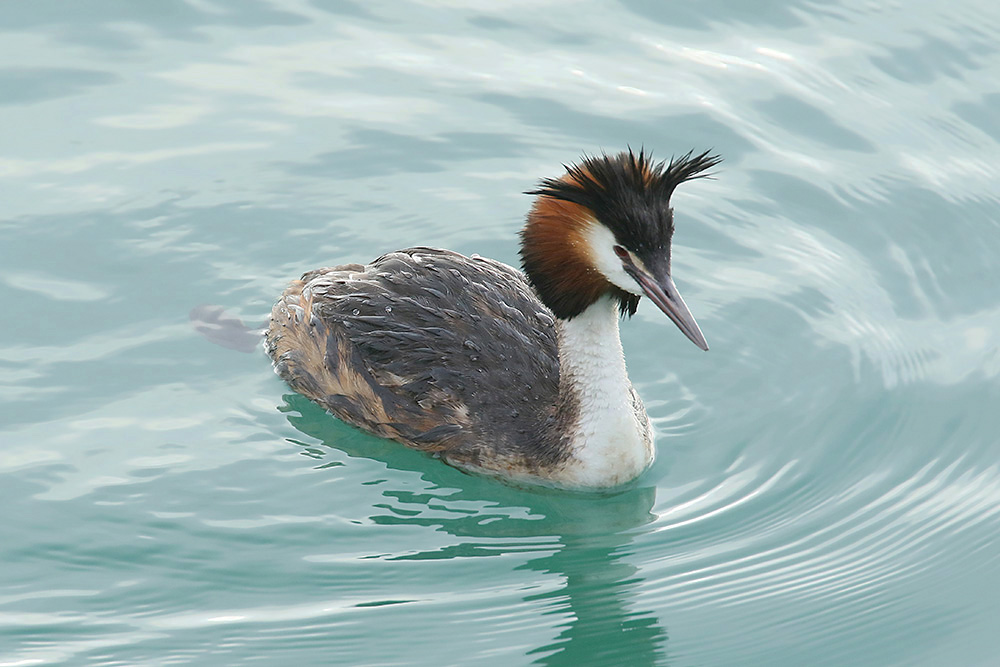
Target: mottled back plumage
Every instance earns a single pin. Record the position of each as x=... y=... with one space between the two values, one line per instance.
x=427 y=347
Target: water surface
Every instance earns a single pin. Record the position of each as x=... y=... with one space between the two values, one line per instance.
x=826 y=490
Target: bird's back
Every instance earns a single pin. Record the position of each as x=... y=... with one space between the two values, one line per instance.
x=439 y=351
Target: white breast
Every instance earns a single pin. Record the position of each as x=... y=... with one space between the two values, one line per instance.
x=612 y=442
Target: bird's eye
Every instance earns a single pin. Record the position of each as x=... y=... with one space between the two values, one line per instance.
x=621 y=252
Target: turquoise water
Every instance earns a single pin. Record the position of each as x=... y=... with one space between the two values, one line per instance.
x=827 y=490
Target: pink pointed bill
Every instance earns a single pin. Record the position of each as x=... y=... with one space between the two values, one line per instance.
x=666 y=297
x=664 y=294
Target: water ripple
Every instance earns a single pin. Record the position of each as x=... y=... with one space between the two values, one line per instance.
x=826 y=489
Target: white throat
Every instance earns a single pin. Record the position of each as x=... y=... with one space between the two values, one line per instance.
x=611 y=439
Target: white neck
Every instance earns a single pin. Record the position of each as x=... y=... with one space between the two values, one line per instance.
x=611 y=435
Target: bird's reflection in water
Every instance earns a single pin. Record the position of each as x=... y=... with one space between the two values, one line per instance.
x=601 y=625
x=585 y=540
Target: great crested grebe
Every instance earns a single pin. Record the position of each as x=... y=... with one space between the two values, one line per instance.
x=520 y=376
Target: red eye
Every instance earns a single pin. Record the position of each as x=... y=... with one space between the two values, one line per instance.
x=621 y=252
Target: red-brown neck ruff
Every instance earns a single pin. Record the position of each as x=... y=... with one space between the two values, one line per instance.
x=557 y=258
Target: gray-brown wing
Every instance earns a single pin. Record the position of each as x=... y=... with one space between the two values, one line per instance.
x=437 y=350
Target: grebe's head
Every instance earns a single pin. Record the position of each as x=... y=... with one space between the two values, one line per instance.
x=605 y=228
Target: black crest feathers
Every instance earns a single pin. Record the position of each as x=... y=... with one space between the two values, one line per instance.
x=629 y=194
x=598 y=182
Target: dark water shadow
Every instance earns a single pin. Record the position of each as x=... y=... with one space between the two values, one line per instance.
x=379 y=153
x=26 y=85
x=583 y=540
x=95 y=23
x=709 y=14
